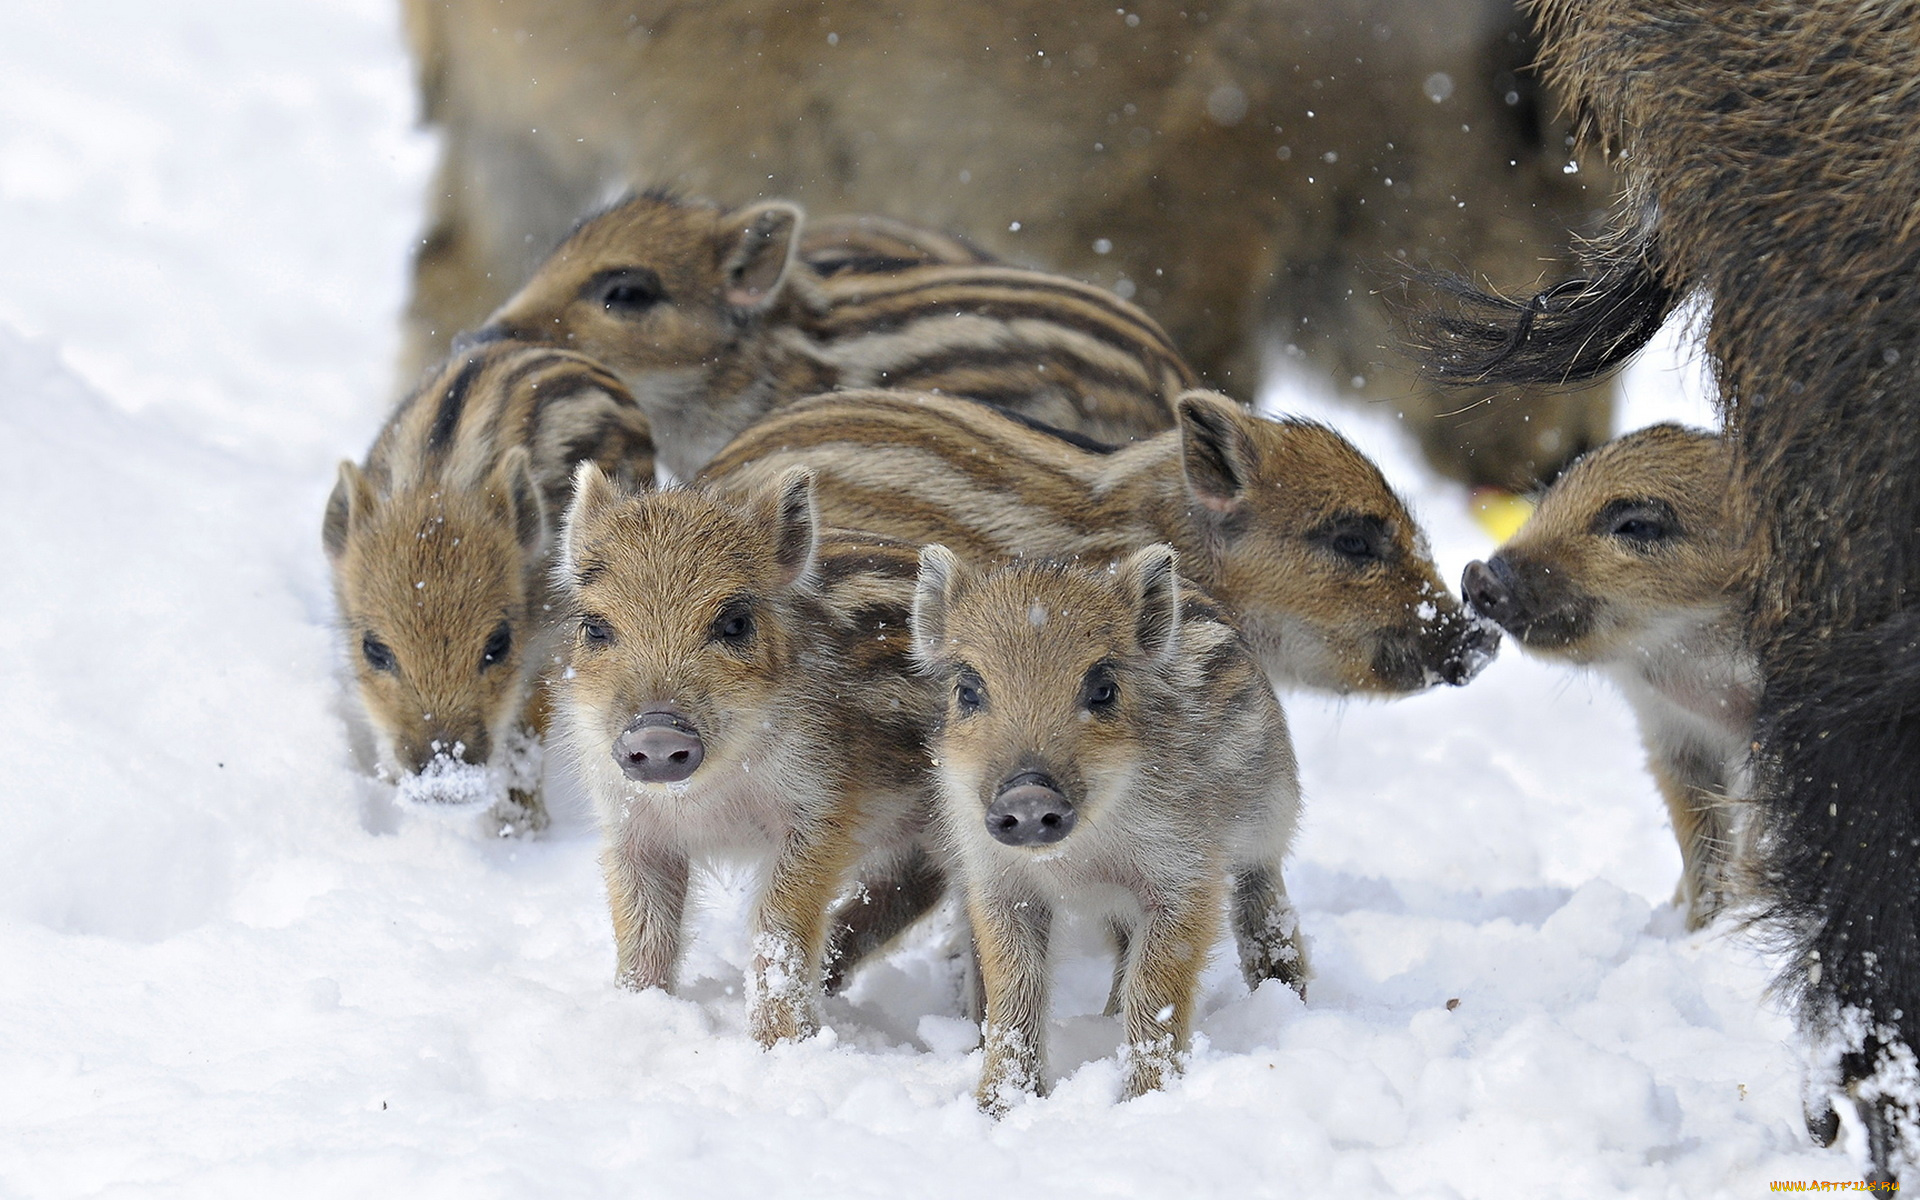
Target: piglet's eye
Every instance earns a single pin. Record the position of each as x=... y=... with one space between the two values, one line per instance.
x=378 y=656
x=1099 y=693
x=595 y=632
x=498 y=646
x=627 y=293
x=734 y=625
x=1641 y=524
x=969 y=694
x=1356 y=540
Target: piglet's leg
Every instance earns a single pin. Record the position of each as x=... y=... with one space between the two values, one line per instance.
x=790 y=927
x=1702 y=826
x=1157 y=1009
x=1267 y=929
x=1120 y=935
x=885 y=906
x=1010 y=934
x=647 y=893
x=524 y=811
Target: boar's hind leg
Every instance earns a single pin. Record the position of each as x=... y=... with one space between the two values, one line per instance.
x=1267 y=929
x=882 y=909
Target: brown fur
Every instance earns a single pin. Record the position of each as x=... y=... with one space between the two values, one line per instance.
x=1127 y=693
x=812 y=722
x=1772 y=165
x=873 y=244
x=1289 y=526
x=712 y=322
x=1632 y=564
x=439 y=548
x=1247 y=169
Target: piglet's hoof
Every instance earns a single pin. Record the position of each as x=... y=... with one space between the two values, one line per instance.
x=781 y=1023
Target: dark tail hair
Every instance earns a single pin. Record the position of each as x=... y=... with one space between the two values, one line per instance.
x=1570 y=333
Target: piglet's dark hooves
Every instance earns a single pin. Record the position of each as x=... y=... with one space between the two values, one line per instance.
x=1030 y=811
x=659 y=747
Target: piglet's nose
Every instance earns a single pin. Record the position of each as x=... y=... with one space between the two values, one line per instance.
x=659 y=747
x=1488 y=588
x=1030 y=811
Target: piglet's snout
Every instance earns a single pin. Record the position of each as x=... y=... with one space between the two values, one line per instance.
x=1029 y=810
x=659 y=747
x=1488 y=587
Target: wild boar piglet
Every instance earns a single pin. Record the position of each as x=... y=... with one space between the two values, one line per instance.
x=1110 y=744
x=439 y=547
x=740 y=688
x=1283 y=521
x=1633 y=564
x=714 y=320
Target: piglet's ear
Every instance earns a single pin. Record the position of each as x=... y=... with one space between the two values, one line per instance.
x=939 y=574
x=594 y=495
x=1216 y=449
x=351 y=501
x=762 y=255
x=796 y=525
x=1152 y=581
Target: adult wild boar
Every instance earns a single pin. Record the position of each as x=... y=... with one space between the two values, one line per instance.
x=1774 y=159
x=1247 y=171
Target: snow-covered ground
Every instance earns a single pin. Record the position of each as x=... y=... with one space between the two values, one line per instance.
x=229 y=967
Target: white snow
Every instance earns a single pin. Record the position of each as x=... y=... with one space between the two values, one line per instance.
x=230 y=966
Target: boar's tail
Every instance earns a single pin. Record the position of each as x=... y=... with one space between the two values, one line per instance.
x=1567 y=334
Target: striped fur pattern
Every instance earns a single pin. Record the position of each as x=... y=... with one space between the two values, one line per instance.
x=1057 y=136
x=873 y=245
x=777 y=654
x=1293 y=529
x=1134 y=706
x=438 y=546
x=713 y=322
x=1633 y=564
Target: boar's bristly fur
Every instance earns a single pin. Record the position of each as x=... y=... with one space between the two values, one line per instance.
x=1247 y=171
x=1772 y=154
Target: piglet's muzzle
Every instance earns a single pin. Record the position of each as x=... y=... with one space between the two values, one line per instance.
x=1029 y=810
x=661 y=746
